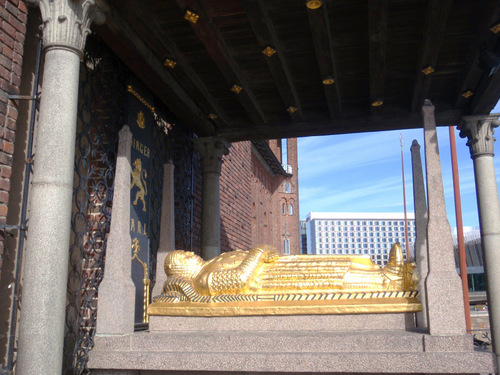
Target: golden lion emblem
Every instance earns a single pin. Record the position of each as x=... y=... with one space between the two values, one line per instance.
x=139 y=179
x=141 y=121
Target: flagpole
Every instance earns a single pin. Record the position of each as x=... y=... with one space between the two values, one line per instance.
x=404 y=198
x=462 y=260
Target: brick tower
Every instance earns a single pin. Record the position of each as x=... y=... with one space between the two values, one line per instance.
x=286 y=197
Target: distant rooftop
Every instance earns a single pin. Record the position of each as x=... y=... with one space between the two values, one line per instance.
x=358 y=215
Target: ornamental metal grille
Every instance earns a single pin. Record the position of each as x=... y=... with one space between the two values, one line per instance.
x=101 y=113
x=183 y=181
x=99 y=119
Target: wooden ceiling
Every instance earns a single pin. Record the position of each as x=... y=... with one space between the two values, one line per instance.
x=381 y=58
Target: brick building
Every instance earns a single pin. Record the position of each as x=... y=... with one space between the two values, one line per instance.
x=13 y=118
x=14 y=15
x=275 y=209
x=259 y=202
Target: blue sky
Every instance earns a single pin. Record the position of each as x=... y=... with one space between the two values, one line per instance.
x=362 y=173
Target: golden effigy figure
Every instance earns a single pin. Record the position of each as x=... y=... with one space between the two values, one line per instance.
x=261 y=282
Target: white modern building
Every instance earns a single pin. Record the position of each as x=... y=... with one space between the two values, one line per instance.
x=358 y=233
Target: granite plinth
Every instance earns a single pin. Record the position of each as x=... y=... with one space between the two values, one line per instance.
x=284 y=323
x=286 y=351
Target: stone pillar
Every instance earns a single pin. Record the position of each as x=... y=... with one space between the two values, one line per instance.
x=443 y=287
x=420 y=205
x=167 y=226
x=479 y=131
x=211 y=150
x=41 y=333
x=116 y=303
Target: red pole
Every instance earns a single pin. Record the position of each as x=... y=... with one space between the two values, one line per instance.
x=404 y=198
x=460 y=230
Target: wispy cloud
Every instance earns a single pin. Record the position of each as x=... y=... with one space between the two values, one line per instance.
x=336 y=154
x=362 y=172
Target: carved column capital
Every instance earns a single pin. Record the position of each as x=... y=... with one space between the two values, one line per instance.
x=66 y=23
x=479 y=131
x=211 y=150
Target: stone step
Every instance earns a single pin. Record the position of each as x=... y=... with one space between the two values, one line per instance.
x=284 y=342
x=284 y=351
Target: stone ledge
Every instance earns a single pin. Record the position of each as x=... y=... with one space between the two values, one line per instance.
x=448 y=343
x=250 y=342
x=348 y=322
x=311 y=352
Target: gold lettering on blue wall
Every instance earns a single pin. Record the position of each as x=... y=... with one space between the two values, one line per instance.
x=139 y=146
x=141 y=228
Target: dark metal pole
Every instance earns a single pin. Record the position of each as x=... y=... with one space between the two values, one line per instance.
x=460 y=230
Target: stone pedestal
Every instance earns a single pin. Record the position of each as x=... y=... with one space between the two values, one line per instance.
x=290 y=351
x=65 y=26
x=443 y=287
x=282 y=323
x=115 y=307
x=211 y=150
x=420 y=205
x=479 y=131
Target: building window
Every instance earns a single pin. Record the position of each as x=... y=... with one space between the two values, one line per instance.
x=284 y=151
x=290 y=209
x=288 y=189
x=283 y=209
x=286 y=246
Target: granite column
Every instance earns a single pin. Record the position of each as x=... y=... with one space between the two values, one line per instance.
x=211 y=150
x=65 y=27
x=479 y=131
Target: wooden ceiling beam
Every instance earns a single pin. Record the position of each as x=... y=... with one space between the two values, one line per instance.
x=321 y=33
x=435 y=25
x=488 y=38
x=131 y=48
x=377 y=29
x=188 y=77
x=487 y=94
x=214 y=43
x=265 y=33
x=392 y=119
x=163 y=46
